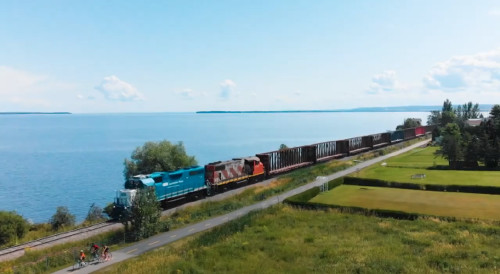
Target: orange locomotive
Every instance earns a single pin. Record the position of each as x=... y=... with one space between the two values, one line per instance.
x=221 y=175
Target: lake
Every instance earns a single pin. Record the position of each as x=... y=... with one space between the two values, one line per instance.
x=75 y=160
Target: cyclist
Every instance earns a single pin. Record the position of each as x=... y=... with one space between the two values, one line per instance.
x=94 y=250
x=105 y=252
x=82 y=258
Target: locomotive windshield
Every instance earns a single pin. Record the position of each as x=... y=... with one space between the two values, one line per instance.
x=134 y=184
x=139 y=181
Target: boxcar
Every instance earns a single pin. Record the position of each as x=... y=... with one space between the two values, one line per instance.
x=360 y=144
x=419 y=131
x=381 y=139
x=409 y=133
x=331 y=150
x=280 y=161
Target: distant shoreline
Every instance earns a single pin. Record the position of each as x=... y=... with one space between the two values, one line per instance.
x=11 y=113
x=483 y=108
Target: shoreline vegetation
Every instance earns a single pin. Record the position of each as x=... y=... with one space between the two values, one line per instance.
x=11 y=113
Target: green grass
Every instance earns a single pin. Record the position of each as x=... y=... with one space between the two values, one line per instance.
x=418 y=161
x=460 y=205
x=282 y=239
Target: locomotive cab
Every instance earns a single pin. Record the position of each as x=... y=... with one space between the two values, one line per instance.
x=124 y=197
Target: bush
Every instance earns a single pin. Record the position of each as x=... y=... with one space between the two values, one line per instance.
x=62 y=218
x=145 y=213
x=12 y=227
x=95 y=214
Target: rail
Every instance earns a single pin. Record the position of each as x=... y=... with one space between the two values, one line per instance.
x=52 y=238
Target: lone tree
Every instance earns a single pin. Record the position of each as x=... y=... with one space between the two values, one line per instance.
x=62 y=218
x=12 y=227
x=144 y=218
x=157 y=156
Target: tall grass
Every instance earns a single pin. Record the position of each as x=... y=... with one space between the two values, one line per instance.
x=283 y=239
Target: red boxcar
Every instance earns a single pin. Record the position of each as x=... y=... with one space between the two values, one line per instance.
x=420 y=131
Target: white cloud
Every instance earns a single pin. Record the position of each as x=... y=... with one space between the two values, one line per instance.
x=13 y=81
x=226 y=88
x=494 y=12
x=384 y=82
x=83 y=97
x=478 y=72
x=115 y=89
x=187 y=93
x=27 y=91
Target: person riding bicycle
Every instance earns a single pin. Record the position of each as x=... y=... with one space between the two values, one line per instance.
x=105 y=252
x=94 y=250
x=82 y=257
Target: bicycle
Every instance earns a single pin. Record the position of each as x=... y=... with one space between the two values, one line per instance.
x=95 y=256
x=103 y=258
x=79 y=264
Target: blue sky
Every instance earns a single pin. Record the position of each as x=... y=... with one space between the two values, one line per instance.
x=175 y=56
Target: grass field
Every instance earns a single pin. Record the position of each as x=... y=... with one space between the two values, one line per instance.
x=461 y=205
x=402 y=167
x=282 y=239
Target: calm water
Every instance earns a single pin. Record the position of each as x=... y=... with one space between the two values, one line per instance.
x=76 y=160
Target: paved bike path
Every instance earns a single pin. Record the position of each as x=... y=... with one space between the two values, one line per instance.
x=174 y=235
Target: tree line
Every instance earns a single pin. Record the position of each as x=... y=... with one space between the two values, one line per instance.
x=465 y=144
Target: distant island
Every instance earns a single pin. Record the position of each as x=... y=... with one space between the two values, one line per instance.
x=9 y=113
x=484 y=108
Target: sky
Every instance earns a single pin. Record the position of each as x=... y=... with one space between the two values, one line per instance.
x=182 y=56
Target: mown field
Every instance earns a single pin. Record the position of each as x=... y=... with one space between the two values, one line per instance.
x=460 y=205
x=283 y=239
x=418 y=161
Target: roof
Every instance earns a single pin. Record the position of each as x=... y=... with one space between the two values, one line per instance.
x=473 y=122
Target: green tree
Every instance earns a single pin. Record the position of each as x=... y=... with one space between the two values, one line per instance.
x=12 y=227
x=434 y=118
x=62 y=218
x=468 y=111
x=409 y=123
x=451 y=145
x=144 y=216
x=447 y=114
x=283 y=147
x=447 y=106
x=495 y=112
x=472 y=150
x=157 y=156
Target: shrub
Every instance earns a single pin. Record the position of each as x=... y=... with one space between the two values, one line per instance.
x=144 y=215
x=62 y=218
x=95 y=214
x=12 y=226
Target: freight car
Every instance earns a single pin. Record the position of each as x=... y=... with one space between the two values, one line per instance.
x=197 y=181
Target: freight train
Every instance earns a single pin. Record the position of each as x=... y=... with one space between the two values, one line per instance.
x=198 y=181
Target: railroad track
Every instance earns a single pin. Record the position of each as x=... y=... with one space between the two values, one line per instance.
x=18 y=250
